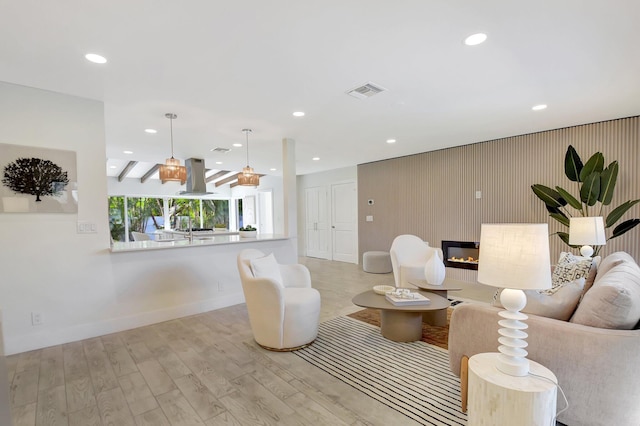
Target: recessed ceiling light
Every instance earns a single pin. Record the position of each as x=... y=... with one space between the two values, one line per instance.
x=316 y=158
x=127 y=152
x=298 y=114
x=539 y=107
x=475 y=39
x=218 y=162
x=112 y=167
x=96 y=59
x=152 y=131
x=391 y=141
x=237 y=145
x=273 y=169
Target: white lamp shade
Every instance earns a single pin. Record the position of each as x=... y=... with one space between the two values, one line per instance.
x=587 y=231
x=515 y=255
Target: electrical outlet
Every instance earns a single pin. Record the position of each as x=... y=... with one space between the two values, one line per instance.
x=37 y=318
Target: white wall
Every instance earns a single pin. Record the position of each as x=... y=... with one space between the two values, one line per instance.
x=322 y=179
x=80 y=287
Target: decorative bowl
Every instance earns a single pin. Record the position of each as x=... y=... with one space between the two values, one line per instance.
x=383 y=289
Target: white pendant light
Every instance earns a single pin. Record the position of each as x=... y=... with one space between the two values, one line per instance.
x=171 y=170
x=248 y=176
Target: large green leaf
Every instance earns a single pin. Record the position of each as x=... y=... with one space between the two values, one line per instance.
x=564 y=236
x=549 y=196
x=594 y=164
x=624 y=227
x=572 y=164
x=608 y=180
x=619 y=211
x=590 y=190
x=560 y=217
x=569 y=198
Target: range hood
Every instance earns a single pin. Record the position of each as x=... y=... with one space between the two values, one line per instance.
x=196 y=182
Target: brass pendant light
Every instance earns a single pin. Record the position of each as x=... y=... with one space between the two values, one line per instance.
x=248 y=177
x=171 y=170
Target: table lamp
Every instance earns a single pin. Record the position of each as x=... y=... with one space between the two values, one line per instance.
x=515 y=257
x=586 y=232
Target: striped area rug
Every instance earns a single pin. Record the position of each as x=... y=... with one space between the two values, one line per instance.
x=412 y=378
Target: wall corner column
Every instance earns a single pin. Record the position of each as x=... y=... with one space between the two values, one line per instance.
x=289 y=188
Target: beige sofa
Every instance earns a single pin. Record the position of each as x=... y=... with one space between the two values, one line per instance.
x=596 y=367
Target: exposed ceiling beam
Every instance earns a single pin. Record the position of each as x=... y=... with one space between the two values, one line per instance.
x=127 y=169
x=150 y=173
x=217 y=175
x=227 y=180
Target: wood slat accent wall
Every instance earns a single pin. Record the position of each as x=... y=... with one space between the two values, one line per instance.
x=432 y=194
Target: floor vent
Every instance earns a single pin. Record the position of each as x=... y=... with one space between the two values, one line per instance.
x=366 y=91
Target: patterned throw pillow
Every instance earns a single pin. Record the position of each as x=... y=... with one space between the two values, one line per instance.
x=568 y=269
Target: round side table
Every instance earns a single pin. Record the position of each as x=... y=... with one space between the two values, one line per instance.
x=495 y=398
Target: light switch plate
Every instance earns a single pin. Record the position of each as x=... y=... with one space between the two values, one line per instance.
x=369 y=218
x=86 y=227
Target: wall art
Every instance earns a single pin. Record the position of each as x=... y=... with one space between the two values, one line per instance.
x=37 y=180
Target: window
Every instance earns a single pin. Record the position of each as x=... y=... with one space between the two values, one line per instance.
x=147 y=214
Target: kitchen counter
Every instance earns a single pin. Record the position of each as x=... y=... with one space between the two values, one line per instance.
x=198 y=241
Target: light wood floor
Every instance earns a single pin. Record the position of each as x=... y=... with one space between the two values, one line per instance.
x=199 y=370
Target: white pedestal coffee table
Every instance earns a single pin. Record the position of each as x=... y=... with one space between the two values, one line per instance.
x=400 y=323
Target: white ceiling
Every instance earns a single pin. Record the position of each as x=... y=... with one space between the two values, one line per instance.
x=222 y=66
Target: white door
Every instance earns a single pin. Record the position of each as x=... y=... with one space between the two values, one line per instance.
x=265 y=212
x=344 y=222
x=316 y=223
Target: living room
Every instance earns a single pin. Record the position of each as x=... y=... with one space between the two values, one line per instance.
x=77 y=284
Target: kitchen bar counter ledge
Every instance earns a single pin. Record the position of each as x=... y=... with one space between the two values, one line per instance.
x=119 y=247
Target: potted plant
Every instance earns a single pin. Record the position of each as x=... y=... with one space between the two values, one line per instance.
x=595 y=184
x=248 y=232
x=220 y=227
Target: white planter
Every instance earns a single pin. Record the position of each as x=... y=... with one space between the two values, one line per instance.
x=248 y=234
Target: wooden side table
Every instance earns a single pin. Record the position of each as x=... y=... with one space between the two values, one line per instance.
x=496 y=398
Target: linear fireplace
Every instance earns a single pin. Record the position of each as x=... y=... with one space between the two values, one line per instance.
x=461 y=254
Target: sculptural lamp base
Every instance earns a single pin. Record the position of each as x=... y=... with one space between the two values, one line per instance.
x=586 y=251
x=513 y=356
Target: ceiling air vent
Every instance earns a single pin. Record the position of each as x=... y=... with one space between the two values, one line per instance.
x=366 y=91
x=221 y=150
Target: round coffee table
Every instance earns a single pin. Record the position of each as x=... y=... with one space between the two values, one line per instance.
x=400 y=323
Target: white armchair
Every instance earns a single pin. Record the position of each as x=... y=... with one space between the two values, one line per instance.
x=409 y=255
x=284 y=311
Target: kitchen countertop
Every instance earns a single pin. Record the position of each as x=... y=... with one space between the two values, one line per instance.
x=198 y=241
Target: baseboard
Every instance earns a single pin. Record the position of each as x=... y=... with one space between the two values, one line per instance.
x=52 y=337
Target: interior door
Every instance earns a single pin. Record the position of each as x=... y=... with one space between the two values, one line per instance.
x=265 y=212
x=316 y=223
x=344 y=222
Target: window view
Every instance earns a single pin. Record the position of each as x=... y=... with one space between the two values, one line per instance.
x=146 y=215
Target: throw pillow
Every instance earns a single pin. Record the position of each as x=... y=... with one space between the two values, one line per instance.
x=614 y=300
x=568 y=269
x=266 y=267
x=609 y=262
x=559 y=305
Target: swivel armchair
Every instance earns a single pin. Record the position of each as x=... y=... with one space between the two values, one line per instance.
x=284 y=311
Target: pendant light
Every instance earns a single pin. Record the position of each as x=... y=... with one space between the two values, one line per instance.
x=248 y=177
x=171 y=170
